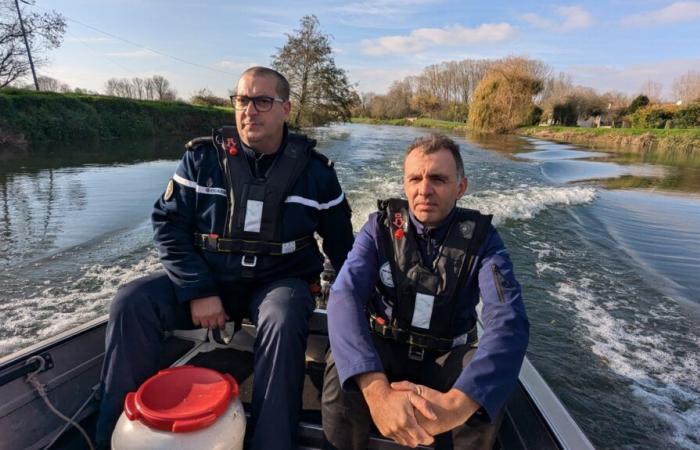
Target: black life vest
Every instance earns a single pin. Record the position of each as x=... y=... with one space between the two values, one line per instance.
x=423 y=297
x=253 y=225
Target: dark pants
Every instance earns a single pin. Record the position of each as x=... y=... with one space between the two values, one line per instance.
x=144 y=309
x=346 y=417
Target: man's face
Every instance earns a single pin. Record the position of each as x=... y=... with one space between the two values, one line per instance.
x=432 y=185
x=261 y=130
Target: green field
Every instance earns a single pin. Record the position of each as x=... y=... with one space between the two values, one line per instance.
x=29 y=117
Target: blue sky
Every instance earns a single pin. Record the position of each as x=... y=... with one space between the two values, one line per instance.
x=607 y=45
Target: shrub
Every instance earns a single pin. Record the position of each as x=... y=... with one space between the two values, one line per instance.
x=687 y=117
x=653 y=116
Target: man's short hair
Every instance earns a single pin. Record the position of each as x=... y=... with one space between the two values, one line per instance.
x=282 y=83
x=435 y=142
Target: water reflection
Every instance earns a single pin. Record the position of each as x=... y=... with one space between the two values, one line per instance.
x=52 y=198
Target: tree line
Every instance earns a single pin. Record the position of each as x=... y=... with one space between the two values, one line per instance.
x=501 y=94
x=156 y=87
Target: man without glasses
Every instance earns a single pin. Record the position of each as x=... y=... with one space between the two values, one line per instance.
x=402 y=318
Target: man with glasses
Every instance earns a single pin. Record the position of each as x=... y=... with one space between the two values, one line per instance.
x=235 y=231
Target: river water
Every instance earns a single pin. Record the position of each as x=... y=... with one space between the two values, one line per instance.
x=607 y=249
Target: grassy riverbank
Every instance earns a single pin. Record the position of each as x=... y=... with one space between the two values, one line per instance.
x=33 y=118
x=678 y=144
x=421 y=122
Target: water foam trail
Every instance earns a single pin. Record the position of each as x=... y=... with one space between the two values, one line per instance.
x=661 y=377
x=525 y=202
x=54 y=309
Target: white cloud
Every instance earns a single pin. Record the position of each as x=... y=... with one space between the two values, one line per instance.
x=675 y=12
x=378 y=80
x=135 y=54
x=236 y=66
x=423 y=38
x=570 y=18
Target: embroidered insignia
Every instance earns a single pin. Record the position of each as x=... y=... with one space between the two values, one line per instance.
x=169 y=190
x=385 y=275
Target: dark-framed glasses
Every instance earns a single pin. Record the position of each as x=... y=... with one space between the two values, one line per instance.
x=262 y=103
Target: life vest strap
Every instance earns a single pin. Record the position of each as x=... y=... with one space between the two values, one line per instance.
x=213 y=243
x=379 y=327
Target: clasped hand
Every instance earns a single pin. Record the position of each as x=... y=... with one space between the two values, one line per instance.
x=412 y=414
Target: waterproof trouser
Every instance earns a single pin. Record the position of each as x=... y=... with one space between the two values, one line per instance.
x=347 y=422
x=144 y=309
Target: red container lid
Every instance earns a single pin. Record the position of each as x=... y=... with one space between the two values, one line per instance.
x=181 y=399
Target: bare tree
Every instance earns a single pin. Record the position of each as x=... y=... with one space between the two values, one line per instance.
x=43 y=31
x=155 y=88
x=50 y=85
x=652 y=90
x=687 y=87
x=139 y=87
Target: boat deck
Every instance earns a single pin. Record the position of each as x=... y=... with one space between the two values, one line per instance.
x=534 y=417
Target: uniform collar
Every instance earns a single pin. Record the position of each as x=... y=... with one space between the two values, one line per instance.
x=251 y=152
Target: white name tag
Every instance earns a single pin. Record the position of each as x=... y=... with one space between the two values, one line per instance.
x=288 y=247
x=423 y=311
x=253 y=216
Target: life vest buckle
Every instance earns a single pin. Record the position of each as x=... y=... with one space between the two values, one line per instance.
x=416 y=353
x=249 y=260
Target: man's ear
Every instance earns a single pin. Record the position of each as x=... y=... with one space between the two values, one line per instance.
x=287 y=107
x=463 y=184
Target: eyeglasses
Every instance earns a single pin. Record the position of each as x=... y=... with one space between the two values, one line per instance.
x=262 y=103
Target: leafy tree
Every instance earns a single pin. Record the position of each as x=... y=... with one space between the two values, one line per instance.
x=565 y=114
x=44 y=32
x=320 y=91
x=639 y=101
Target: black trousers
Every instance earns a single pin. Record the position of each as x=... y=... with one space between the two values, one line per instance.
x=347 y=422
x=145 y=308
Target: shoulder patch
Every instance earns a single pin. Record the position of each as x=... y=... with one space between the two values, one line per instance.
x=169 y=190
x=196 y=142
x=323 y=158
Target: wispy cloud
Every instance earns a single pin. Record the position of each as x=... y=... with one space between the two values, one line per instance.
x=569 y=18
x=135 y=54
x=381 y=7
x=675 y=12
x=423 y=38
x=384 y=14
x=88 y=40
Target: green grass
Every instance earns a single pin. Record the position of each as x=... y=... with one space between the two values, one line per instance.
x=421 y=122
x=53 y=117
x=656 y=132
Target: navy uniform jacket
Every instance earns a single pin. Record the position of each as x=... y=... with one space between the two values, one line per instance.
x=492 y=373
x=198 y=204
